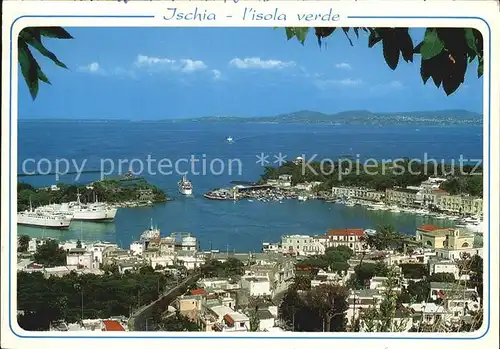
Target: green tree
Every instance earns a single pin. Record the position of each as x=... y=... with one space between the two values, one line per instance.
x=23 y=242
x=50 y=254
x=178 y=323
x=413 y=270
x=383 y=318
x=441 y=277
x=385 y=238
x=254 y=320
x=445 y=52
x=319 y=309
x=365 y=271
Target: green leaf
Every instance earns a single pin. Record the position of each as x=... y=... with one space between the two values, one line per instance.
x=480 y=68
x=42 y=76
x=29 y=68
x=290 y=32
x=346 y=32
x=373 y=38
x=54 y=32
x=432 y=45
x=405 y=44
x=471 y=40
x=418 y=48
x=301 y=33
x=35 y=42
x=391 y=50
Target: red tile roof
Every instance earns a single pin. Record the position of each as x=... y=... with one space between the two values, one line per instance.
x=428 y=227
x=229 y=320
x=112 y=325
x=345 y=232
x=198 y=291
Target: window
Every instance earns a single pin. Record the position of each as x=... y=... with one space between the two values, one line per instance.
x=242 y=324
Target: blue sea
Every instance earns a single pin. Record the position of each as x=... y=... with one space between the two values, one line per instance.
x=236 y=226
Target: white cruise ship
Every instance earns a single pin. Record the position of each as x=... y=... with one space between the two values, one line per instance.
x=185 y=186
x=44 y=219
x=95 y=212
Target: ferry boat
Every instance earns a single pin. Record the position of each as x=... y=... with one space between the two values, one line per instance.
x=377 y=206
x=150 y=234
x=185 y=186
x=94 y=212
x=51 y=220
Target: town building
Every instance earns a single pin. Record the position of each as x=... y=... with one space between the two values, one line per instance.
x=450 y=238
x=358 y=193
x=444 y=266
x=352 y=238
x=466 y=205
x=402 y=196
x=271 y=247
x=81 y=258
x=301 y=245
x=284 y=181
x=256 y=285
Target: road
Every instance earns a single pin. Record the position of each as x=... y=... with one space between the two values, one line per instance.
x=140 y=318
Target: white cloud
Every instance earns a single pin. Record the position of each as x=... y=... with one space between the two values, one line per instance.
x=257 y=63
x=93 y=68
x=216 y=74
x=343 y=66
x=183 y=65
x=189 y=66
x=142 y=61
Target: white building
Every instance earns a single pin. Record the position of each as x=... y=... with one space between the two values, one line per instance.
x=164 y=261
x=71 y=244
x=302 y=245
x=81 y=258
x=137 y=248
x=352 y=238
x=456 y=254
x=266 y=318
x=190 y=262
x=361 y=299
x=271 y=247
x=227 y=320
x=360 y=193
x=98 y=249
x=257 y=285
x=189 y=243
x=444 y=266
x=285 y=181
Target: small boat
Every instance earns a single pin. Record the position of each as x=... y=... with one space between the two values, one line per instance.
x=150 y=234
x=230 y=139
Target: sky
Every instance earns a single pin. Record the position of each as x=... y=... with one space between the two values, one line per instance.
x=161 y=73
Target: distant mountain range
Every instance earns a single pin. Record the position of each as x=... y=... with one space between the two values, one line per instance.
x=355 y=117
x=352 y=117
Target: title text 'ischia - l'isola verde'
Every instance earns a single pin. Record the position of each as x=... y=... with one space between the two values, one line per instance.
x=249 y=14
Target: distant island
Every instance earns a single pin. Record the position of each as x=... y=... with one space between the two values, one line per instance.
x=352 y=117
x=355 y=117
